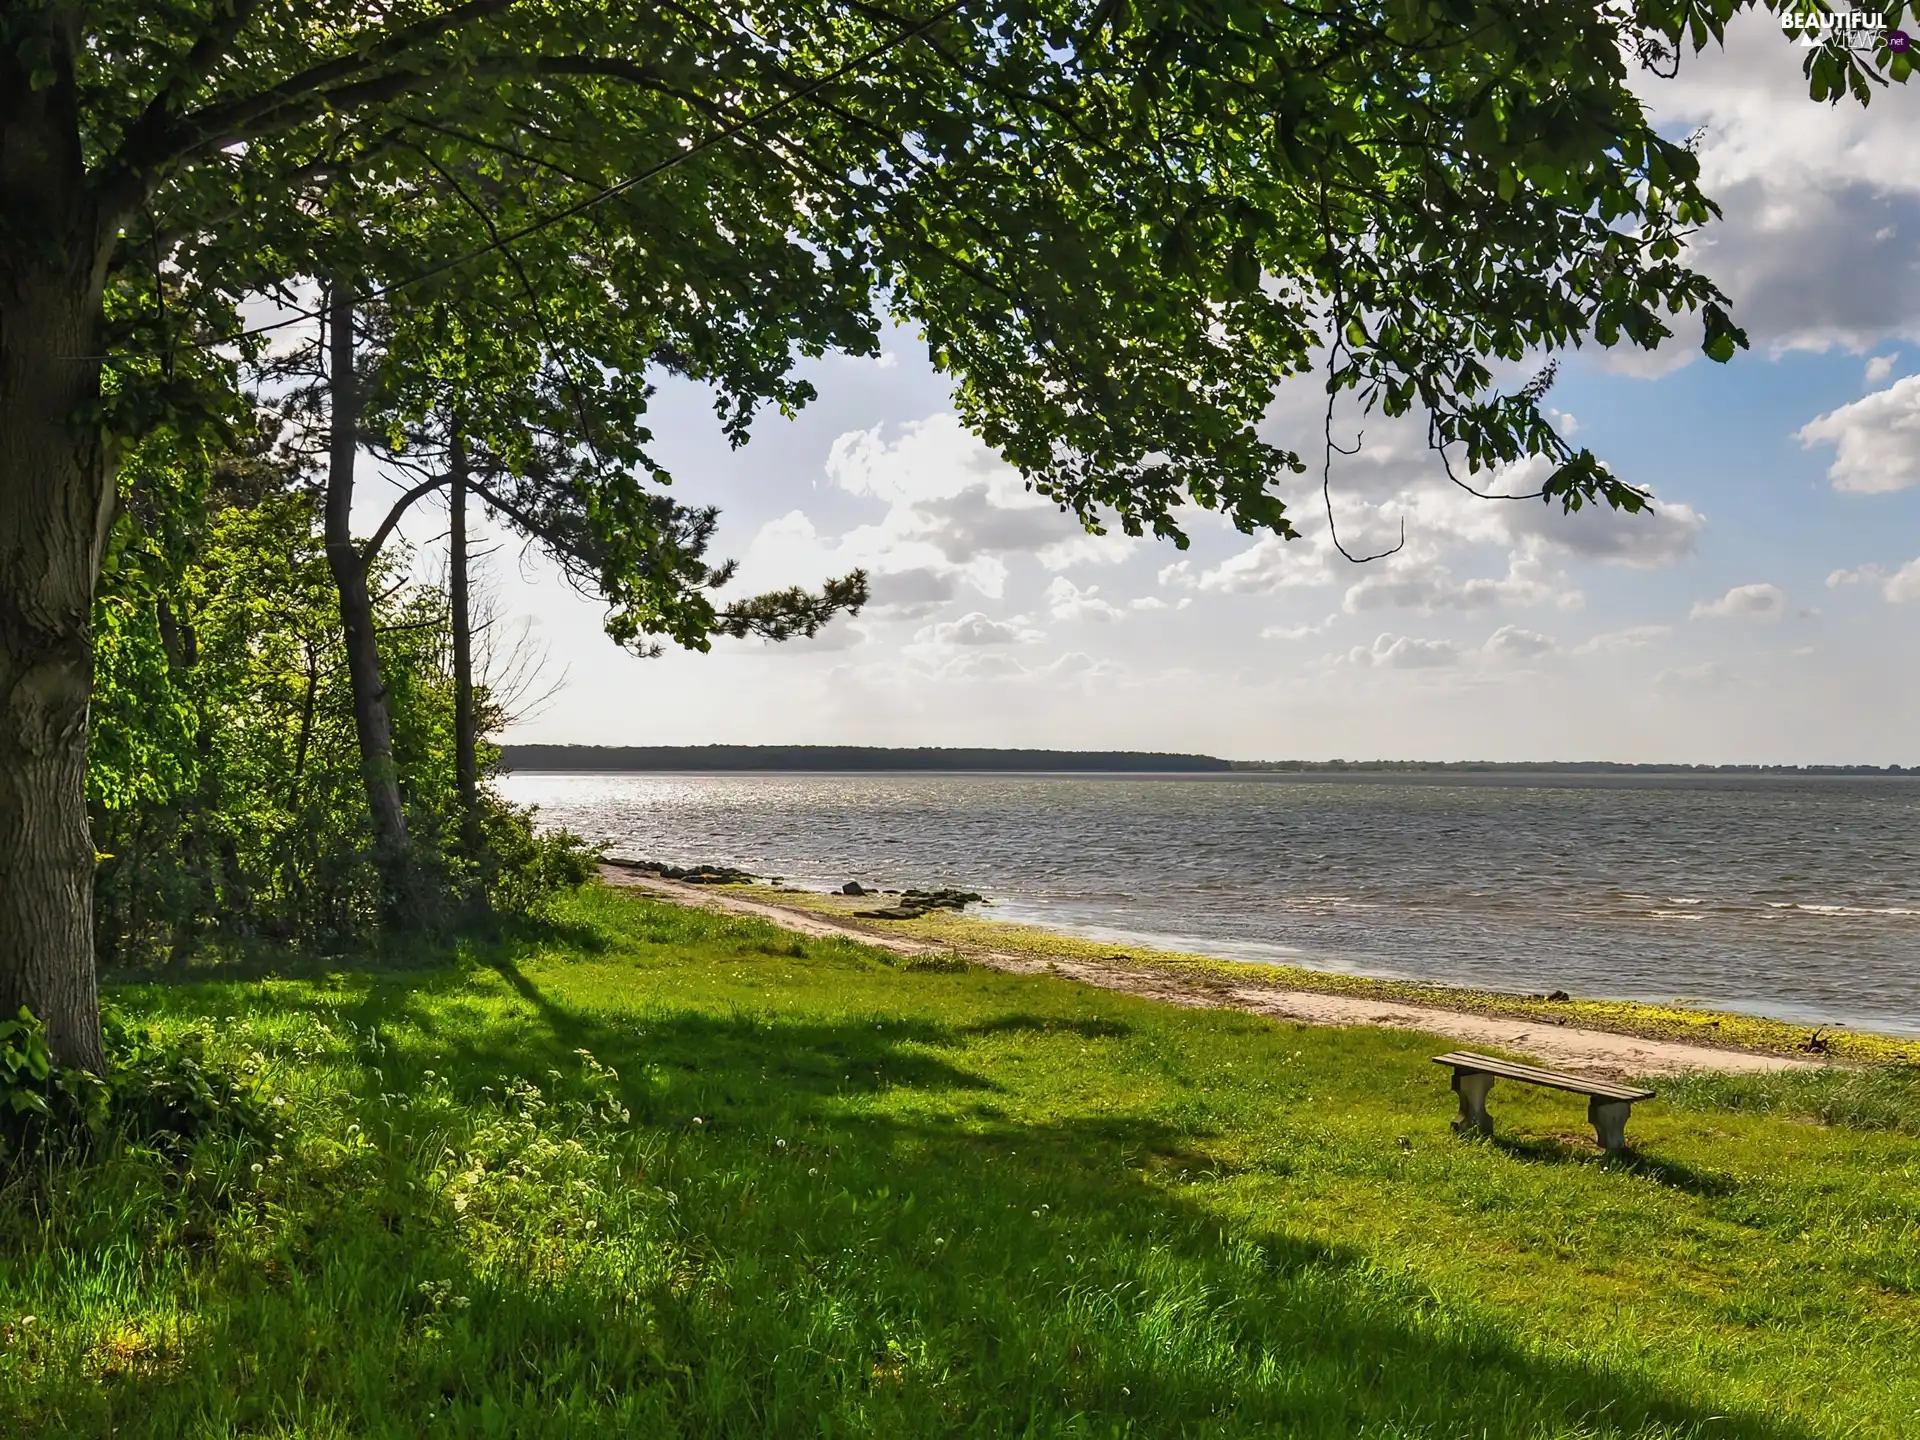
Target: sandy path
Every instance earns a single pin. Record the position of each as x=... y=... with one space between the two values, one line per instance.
x=1598 y=1052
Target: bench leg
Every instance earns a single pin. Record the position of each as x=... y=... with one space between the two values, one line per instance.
x=1472 y=1087
x=1609 y=1118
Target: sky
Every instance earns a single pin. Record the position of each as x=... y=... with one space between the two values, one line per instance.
x=1767 y=611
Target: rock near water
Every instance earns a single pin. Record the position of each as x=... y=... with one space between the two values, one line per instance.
x=915 y=903
x=686 y=874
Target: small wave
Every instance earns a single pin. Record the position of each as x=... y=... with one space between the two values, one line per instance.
x=1323 y=904
x=1684 y=900
x=1841 y=909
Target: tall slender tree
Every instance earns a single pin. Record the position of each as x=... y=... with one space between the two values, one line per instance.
x=350 y=563
x=466 y=736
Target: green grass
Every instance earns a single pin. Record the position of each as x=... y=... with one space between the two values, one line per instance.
x=1679 y=1020
x=831 y=1193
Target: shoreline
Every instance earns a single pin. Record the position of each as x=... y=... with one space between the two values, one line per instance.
x=1600 y=1036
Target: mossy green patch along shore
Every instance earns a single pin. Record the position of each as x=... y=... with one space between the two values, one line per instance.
x=1688 y=1023
x=663 y=1172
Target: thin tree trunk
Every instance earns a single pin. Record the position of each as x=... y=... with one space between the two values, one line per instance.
x=305 y=740
x=56 y=503
x=466 y=757
x=372 y=721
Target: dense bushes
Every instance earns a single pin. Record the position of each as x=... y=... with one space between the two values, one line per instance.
x=225 y=785
x=165 y=1094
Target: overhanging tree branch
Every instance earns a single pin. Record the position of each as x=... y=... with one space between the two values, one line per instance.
x=196 y=64
x=148 y=152
x=371 y=549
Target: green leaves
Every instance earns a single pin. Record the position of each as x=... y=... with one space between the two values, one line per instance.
x=24 y=1057
x=1121 y=240
x=1723 y=338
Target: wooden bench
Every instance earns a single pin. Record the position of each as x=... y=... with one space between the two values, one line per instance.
x=1608 y=1104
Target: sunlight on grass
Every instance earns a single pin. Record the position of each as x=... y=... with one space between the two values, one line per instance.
x=664 y=1172
x=1691 y=1024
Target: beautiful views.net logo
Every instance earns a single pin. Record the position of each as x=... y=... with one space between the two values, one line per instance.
x=1853 y=29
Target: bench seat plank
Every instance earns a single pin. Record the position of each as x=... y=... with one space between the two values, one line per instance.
x=1533 y=1075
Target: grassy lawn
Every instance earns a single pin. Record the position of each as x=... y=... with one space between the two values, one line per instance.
x=671 y=1173
x=1690 y=1023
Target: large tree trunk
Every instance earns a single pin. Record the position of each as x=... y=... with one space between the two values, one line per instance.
x=466 y=757
x=372 y=721
x=56 y=503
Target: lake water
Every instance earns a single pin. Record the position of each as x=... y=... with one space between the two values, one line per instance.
x=1798 y=898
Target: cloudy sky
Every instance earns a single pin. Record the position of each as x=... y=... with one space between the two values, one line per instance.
x=1769 y=610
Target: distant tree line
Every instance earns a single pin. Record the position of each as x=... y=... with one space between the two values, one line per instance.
x=1558 y=767
x=837 y=757
x=594 y=759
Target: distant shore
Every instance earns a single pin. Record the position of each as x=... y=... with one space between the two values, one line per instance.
x=609 y=759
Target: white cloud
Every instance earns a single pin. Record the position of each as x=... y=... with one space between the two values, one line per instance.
x=1265 y=567
x=1077 y=665
x=1404 y=652
x=1663 y=535
x=1877 y=439
x=955 y=511
x=785 y=549
x=1430 y=586
x=975 y=628
x=1069 y=602
x=929 y=459
x=970 y=522
x=1864 y=575
x=1880 y=367
x=1744 y=602
x=1510 y=642
x=1088 y=549
x=1817 y=247
x=1298 y=632
x=982 y=665
x=912 y=593
x=1634 y=637
x=910 y=578
x=1440 y=522
x=1812 y=259
x=1903 y=587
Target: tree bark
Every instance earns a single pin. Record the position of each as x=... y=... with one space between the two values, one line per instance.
x=466 y=757
x=372 y=719
x=56 y=503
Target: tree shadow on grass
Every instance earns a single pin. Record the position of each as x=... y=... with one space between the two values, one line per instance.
x=799 y=1264
x=800 y=1059
x=1086 y=1028
x=411 y=956
x=1675 y=1174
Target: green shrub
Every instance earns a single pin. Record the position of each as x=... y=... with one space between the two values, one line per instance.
x=525 y=871
x=38 y=1097
x=159 y=1093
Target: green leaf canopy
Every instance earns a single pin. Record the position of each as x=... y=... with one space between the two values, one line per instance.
x=1119 y=225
